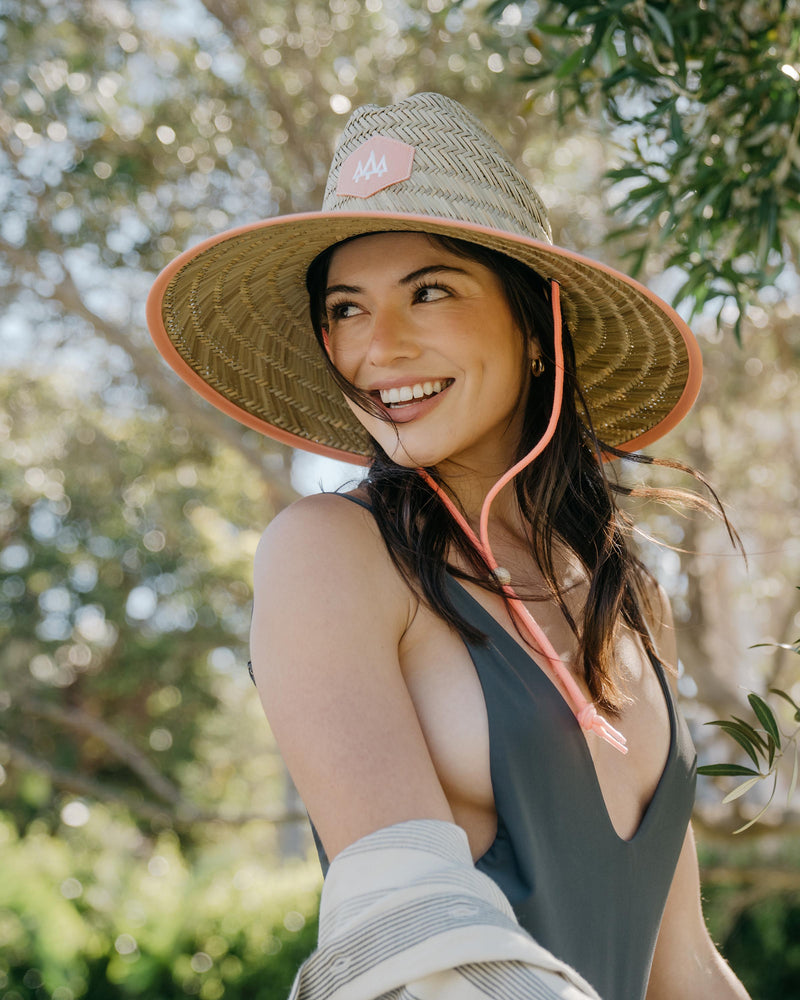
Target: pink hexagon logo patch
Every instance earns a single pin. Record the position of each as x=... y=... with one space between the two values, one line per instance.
x=376 y=164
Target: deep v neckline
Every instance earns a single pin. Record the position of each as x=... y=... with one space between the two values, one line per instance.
x=499 y=634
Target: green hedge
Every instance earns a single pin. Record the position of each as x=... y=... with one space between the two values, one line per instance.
x=763 y=946
x=106 y=914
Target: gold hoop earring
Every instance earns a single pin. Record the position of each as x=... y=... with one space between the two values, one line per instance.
x=537 y=367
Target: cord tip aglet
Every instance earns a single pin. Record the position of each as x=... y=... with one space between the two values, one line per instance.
x=592 y=721
x=610 y=735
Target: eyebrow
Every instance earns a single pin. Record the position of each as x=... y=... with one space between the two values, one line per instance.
x=408 y=279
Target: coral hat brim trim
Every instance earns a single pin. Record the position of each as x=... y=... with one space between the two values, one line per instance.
x=638 y=363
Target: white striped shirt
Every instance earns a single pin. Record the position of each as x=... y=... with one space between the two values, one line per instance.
x=405 y=915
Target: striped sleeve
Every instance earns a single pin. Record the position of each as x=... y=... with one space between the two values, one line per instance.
x=406 y=916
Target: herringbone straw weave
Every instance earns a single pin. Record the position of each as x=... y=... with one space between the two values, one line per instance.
x=231 y=315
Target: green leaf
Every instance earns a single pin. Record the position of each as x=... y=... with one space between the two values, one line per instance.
x=676 y=126
x=768 y=220
x=761 y=812
x=625 y=173
x=625 y=72
x=740 y=789
x=662 y=23
x=727 y=771
x=570 y=64
x=559 y=30
x=495 y=10
x=754 y=736
x=742 y=737
x=785 y=696
x=765 y=717
x=598 y=39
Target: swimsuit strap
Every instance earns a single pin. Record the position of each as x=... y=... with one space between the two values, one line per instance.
x=346 y=496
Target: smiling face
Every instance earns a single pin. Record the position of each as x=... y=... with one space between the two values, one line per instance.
x=430 y=336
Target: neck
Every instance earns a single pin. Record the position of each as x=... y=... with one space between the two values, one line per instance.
x=470 y=491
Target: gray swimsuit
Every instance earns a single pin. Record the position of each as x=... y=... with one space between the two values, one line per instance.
x=591 y=898
x=588 y=896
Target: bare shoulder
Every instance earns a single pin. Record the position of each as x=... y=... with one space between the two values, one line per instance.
x=326 y=519
x=329 y=613
x=321 y=567
x=323 y=542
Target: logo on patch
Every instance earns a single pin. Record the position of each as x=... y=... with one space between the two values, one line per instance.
x=376 y=164
x=371 y=168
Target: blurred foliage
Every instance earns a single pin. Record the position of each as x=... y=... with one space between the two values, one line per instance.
x=765 y=743
x=124 y=552
x=100 y=911
x=743 y=433
x=137 y=777
x=172 y=122
x=764 y=947
x=752 y=910
x=130 y=131
x=705 y=103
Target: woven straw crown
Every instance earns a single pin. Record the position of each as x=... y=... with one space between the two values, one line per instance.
x=231 y=315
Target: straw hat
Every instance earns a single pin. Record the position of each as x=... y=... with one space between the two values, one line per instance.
x=231 y=315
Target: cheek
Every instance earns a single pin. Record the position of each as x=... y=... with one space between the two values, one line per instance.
x=512 y=358
x=513 y=376
x=344 y=356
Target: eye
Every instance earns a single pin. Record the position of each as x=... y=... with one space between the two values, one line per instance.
x=430 y=292
x=342 y=310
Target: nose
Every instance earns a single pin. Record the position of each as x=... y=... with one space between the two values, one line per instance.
x=391 y=337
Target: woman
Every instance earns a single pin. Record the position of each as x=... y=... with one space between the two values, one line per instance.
x=463 y=664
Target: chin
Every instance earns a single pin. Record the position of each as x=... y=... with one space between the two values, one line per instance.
x=406 y=454
x=407 y=457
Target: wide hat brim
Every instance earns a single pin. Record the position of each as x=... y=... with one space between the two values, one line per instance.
x=231 y=316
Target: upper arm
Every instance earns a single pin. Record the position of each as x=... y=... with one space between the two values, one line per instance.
x=329 y=613
x=686 y=965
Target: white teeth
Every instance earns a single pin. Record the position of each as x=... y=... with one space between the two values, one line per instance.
x=405 y=393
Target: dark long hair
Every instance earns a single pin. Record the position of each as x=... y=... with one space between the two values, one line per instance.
x=565 y=495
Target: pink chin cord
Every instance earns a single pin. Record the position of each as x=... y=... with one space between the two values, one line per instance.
x=587 y=715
